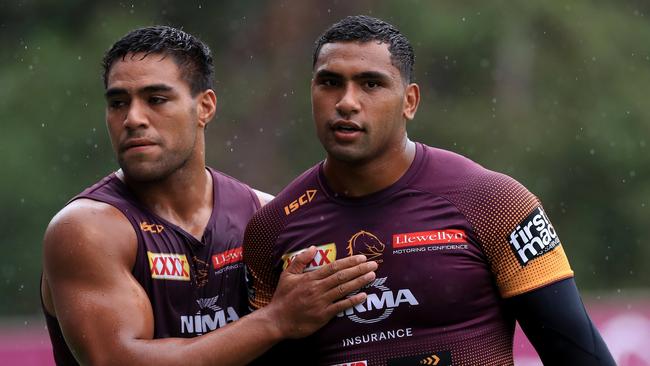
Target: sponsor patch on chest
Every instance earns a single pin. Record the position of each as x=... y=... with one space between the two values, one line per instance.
x=434 y=358
x=533 y=237
x=325 y=254
x=225 y=258
x=380 y=303
x=169 y=266
x=434 y=237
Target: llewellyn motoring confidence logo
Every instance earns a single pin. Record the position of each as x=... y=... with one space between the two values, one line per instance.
x=533 y=237
x=435 y=237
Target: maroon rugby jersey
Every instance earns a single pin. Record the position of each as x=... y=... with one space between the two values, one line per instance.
x=194 y=286
x=452 y=239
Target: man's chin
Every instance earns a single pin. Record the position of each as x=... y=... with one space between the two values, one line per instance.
x=143 y=172
x=346 y=155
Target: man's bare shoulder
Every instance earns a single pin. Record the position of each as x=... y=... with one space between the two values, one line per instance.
x=85 y=230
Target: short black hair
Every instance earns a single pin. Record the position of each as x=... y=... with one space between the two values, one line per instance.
x=190 y=54
x=362 y=28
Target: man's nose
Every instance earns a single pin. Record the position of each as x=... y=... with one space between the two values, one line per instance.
x=349 y=102
x=137 y=116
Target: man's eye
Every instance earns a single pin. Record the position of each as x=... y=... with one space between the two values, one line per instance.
x=157 y=100
x=115 y=104
x=372 y=84
x=329 y=82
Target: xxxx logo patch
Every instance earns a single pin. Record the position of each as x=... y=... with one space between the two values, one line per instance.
x=169 y=266
x=325 y=254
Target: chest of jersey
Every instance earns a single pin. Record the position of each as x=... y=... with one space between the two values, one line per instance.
x=194 y=286
x=433 y=280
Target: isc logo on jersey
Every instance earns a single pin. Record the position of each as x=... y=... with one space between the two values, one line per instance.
x=152 y=228
x=169 y=266
x=304 y=199
x=353 y=363
x=325 y=254
x=533 y=237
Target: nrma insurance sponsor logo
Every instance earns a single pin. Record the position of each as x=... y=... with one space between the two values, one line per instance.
x=380 y=303
x=209 y=317
x=533 y=237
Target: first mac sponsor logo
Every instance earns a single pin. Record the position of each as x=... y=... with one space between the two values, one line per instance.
x=533 y=237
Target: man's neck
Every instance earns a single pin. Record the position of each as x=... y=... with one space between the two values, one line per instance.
x=357 y=180
x=184 y=198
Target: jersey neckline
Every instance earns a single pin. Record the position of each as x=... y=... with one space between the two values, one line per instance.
x=192 y=238
x=380 y=195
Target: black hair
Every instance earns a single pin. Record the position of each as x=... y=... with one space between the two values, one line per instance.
x=362 y=28
x=190 y=54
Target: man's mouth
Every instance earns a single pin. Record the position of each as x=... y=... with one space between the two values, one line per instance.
x=136 y=143
x=346 y=127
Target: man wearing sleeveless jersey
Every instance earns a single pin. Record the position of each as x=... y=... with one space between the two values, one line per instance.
x=148 y=258
x=463 y=251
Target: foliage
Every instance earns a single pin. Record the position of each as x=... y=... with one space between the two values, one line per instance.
x=550 y=92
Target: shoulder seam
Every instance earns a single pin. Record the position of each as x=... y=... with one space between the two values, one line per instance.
x=459 y=211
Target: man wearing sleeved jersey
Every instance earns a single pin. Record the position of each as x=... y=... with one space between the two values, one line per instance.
x=463 y=251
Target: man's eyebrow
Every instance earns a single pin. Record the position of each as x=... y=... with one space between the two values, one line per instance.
x=375 y=75
x=156 y=88
x=327 y=74
x=112 y=92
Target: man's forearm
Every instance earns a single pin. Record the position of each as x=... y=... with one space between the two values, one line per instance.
x=238 y=343
x=557 y=324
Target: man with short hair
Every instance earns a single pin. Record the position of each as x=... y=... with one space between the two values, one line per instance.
x=463 y=251
x=154 y=250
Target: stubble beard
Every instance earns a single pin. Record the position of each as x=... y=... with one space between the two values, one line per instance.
x=360 y=153
x=347 y=156
x=156 y=171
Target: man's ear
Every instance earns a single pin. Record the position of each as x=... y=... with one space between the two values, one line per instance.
x=411 y=101
x=206 y=106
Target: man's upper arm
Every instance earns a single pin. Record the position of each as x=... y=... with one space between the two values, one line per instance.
x=259 y=240
x=89 y=250
x=534 y=276
x=520 y=243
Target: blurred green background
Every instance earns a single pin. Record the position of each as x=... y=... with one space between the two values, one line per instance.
x=552 y=93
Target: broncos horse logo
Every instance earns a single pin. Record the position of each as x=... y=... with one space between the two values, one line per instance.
x=367 y=244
